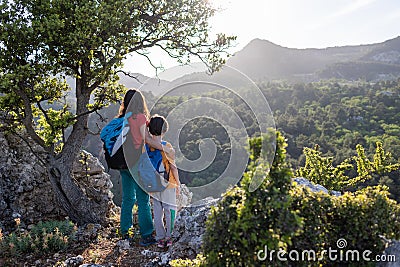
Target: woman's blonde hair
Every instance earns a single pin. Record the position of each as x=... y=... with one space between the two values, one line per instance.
x=134 y=102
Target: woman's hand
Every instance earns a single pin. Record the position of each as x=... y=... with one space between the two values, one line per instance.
x=147 y=138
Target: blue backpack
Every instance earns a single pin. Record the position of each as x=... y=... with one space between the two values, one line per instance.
x=114 y=135
x=153 y=175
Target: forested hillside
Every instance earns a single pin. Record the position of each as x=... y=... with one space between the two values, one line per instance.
x=337 y=115
x=333 y=114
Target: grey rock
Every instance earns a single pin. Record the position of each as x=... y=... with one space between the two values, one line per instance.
x=123 y=245
x=184 y=198
x=391 y=255
x=314 y=187
x=74 y=261
x=25 y=187
x=88 y=232
x=150 y=254
x=188 y=233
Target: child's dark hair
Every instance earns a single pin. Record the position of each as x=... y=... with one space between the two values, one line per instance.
x=158 y=125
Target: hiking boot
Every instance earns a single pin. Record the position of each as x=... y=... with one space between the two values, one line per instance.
x=168 y=242
x=147 y=241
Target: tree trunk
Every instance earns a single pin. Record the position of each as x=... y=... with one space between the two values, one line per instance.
x=68 y=194
x=79 y=208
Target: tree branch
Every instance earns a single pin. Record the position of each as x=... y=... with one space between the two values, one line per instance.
x=46 y=116
x=150 y=44
x=150 y=62
x=27 y=120
x=129 y=75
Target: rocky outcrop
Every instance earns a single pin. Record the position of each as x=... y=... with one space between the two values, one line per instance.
x=25 y=189
x=184 y=198
x=24 y=185
x=91 y=177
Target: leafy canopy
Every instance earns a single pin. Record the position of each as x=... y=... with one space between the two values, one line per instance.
x=43 y=42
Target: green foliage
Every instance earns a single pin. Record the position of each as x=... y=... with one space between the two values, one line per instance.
x=360 y=218
x=320 y=169
x=281 y=216
x=244 y=222
x=50 y=236
x=382 y=164
x=88 y=41
x=197 y=262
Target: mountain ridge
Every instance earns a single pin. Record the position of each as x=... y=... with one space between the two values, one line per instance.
x=263 y=60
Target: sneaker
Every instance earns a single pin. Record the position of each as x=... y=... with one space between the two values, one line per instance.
x=161 y=243
x=147 y=241
x=168 y=242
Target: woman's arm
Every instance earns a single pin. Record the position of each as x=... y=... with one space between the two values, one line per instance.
x=147 y=138
x=151 y=142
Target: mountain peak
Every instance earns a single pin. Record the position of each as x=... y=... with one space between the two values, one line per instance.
x=262 y=59
x=257 y=42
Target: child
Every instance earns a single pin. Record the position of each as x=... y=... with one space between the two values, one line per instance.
x=164 y=203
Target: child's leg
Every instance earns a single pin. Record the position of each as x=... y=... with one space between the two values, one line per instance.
x=158 y=216
x=169 y=205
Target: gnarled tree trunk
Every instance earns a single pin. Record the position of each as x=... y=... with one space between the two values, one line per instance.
x=70 y=197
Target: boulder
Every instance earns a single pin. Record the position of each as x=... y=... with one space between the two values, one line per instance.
x=25 y=189
x=91 y=177
x=188 y=233
x=314 y=187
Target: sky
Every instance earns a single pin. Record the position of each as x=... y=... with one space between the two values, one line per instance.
x=294 y=24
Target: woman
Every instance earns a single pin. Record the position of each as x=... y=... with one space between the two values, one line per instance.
x=131 y=192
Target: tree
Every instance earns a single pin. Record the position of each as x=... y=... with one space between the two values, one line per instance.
x=42 y=42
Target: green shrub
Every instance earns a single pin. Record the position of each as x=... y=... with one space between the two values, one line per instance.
x=359 y=218
x=50 y=236
x=285 y=218
x=320 y=170
x=245 y=222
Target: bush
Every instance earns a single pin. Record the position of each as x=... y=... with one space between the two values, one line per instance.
x=245 y=222
x=320 y=170
x=284 y=218
x=48 y=236
x=359 y=218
